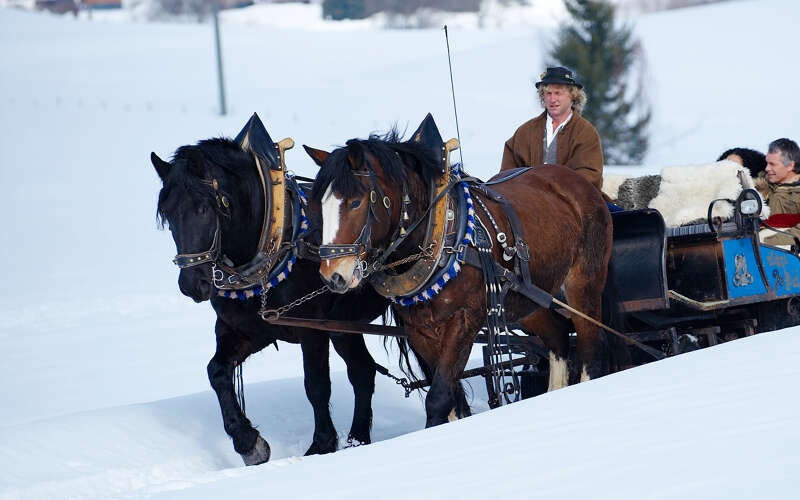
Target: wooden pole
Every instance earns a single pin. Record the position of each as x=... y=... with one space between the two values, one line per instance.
x=221 y=80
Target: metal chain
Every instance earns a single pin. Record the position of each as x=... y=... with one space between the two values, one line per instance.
x=426 y=253
x=402 y=382
x=272 y=314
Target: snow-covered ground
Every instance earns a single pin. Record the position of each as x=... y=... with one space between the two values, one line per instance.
x=105 y=392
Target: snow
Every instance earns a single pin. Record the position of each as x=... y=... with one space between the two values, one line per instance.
x=105 y=392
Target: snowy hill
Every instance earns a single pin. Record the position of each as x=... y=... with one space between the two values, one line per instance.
x=105 y=391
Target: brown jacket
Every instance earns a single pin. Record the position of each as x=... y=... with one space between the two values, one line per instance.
x=578 y=147
x=781 y=199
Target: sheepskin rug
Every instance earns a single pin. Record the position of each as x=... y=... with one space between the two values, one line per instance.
x=682 y=194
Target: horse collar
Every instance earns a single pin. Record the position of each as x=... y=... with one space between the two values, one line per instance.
x=416 y=277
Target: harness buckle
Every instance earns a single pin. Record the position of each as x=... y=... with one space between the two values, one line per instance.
x=454 y=249
x=523 y=250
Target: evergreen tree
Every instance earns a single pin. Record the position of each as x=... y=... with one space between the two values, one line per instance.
x=343 y=9
x=605 y=59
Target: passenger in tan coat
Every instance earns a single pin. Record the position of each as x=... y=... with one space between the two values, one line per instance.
x=779 y=185
x=559 y=135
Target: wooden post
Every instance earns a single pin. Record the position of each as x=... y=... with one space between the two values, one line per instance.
x=222 y=107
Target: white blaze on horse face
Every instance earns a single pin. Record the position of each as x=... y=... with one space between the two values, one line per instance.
x=331 y=208
x=559 y=376
x=331 y=214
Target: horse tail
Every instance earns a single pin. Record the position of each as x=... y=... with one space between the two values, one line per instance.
x=405 y=349
x=599 y=243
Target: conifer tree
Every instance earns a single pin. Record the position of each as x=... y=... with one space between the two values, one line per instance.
x=605 y=58
x=343 y=9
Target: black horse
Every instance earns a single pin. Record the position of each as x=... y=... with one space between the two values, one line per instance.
x=212 y=197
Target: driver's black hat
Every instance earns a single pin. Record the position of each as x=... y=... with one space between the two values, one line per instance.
x=558 y=75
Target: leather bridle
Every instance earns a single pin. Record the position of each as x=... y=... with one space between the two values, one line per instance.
x=187 y=260
x=368 y=258
x=362 y=248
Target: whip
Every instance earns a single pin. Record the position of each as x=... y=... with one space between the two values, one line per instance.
x=453 y=91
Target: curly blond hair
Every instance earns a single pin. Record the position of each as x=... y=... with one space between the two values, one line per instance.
x=577 y=94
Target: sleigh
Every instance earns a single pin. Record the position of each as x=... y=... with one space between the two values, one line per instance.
x=700 y=280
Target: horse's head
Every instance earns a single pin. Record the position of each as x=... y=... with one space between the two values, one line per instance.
x=368 y=190
x=209 y=200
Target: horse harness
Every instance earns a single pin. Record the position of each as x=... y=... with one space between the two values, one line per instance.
x=498 y=279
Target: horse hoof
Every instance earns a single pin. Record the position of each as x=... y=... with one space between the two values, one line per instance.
x=353 y=442
x=259 y=454
x=318 y=449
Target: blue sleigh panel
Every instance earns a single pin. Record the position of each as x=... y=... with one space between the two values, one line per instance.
x=782 y=270
x=741 y=268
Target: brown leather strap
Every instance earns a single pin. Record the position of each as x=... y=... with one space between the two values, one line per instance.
x=522 y=254
x=340 y=326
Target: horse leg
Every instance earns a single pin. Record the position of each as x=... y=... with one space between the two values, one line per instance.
x=593 y=353
x=317 y=383
x=462 y=408
x=446 y=399
x=233 y=349
x=554 y=332
x=361 y=373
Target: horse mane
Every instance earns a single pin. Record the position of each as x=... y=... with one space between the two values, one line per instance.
x=191 y=165
x=396 y=157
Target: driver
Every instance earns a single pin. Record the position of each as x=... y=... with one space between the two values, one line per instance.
x=559 y=135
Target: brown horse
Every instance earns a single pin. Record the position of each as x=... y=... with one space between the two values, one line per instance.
x=363 y=186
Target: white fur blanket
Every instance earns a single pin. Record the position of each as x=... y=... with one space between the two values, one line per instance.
x=685 y=192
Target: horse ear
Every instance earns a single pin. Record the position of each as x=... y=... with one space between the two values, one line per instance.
x=319 y=156
x=428 y=134
x=162 y=167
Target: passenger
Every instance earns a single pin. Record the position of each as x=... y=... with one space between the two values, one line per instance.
x=779 y=185
x=559 y=135
x=752 y=160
